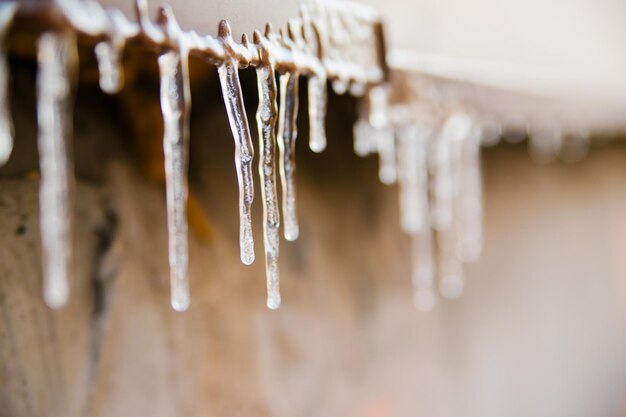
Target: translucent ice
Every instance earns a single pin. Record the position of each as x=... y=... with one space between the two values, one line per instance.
x=228 y=72
x=287 y=133
x=266 y=117
x=175 y=106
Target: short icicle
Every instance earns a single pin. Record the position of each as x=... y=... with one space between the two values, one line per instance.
x=317 y=96
x=57 y=58
x=7 y=11
x=386 y=146
x=109 y=56
x=175 y=106
x=423 y=270
x=287 y=133
x=266 y=117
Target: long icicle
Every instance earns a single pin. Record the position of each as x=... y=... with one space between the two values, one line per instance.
x=228 y=72
x=57 y=57
x=266 y=117
x=7 y=11
x=175 y=106
x=287 y=134
x=412 y=178
x=469 y=201
x=414 y=211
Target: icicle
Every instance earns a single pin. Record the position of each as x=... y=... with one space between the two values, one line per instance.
x=364 y=138
x=266 y=121
x=423 y=269
x=414 y=211
x=469 y=199
x=451 y=279
x=317 y=113
x=386 y=146
x=378 y=106
x=442 y=184
x=57 y=58
x=7 y=11
x=175 y=106
x=109 y=55
x=453 y=132
x=228 y=72
x=287 y=133
x=413 y=178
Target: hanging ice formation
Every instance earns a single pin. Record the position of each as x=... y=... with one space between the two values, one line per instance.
x=435 y=160
x=7 y=11
x=176 y=106
x=307 y=49
x=57 y=58
x=228 y=72
x=266 y=117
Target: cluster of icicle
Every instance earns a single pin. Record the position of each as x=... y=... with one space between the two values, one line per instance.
x=435 y=159
x=327 y=42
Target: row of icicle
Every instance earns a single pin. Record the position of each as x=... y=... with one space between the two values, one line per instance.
x=436 y=163
x=292 y=54
x=434 y=160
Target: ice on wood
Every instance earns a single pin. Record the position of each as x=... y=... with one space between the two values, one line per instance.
x=228 y=72
x=266 y=117
x=287 y=134
x=7 y=11
x=175 y=106
x=57 y=58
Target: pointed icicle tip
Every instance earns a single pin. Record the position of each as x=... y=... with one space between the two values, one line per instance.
x=244 y=40
x=256 y=37
x=268 y=29
x=223 y=30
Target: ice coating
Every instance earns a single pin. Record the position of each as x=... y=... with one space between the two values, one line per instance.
x=7 y=11
x=266 y=117
x=175 y=106
x=317 y=95
x=57 y=58
x=109 y=55
x=228 y=73
x=287 y=133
